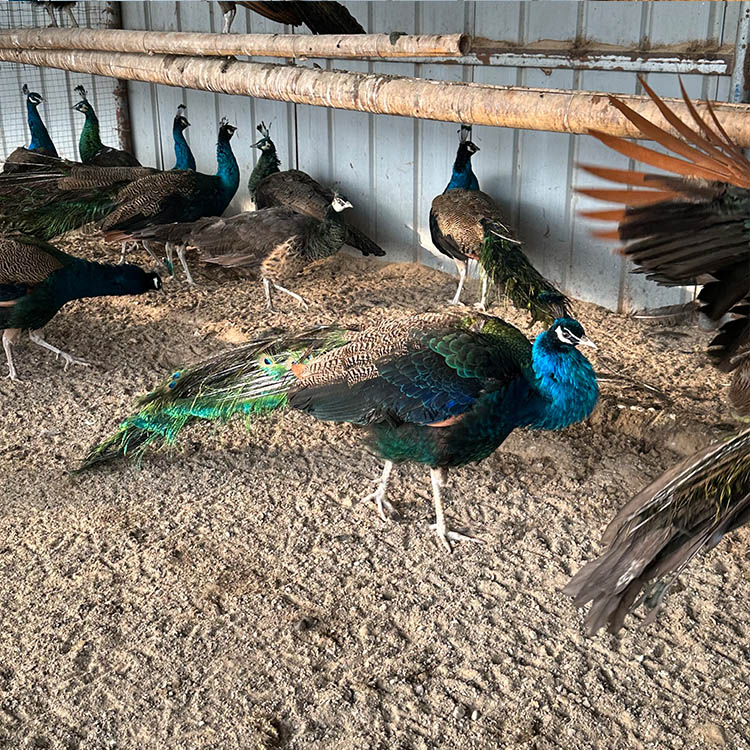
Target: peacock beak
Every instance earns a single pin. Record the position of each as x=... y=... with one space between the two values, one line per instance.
x=586 y=341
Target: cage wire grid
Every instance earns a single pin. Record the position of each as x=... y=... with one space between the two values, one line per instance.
x=56 y=86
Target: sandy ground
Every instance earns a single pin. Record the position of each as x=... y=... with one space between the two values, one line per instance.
x=235 y=595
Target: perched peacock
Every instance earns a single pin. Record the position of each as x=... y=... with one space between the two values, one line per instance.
x=442 y=389
x=466 y=224
x=687 y=510
x=37 y=279
x=25 y=158
x=280 y=242
x=319 y=17
x=64 y=6
x=90 y=145
x=295 y=189
x=123 y=199
x=690 y=226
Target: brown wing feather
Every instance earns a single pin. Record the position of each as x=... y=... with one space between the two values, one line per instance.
x=24 y=261
x=458 y=213
x=686 y=510
x=296 y=190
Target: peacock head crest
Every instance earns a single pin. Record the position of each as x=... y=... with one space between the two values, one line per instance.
x=264 y=143
x=180 y=120
x=82 y=106
x=226 y=131
x=567 y=333
x=32 y=96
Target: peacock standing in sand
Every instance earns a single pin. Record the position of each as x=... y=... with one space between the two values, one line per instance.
x=279 y=242
x=442 y=389
x=269 y=187
x=25 y=158
x=90 y=145
x=319 y=17
x=37 y=279
x=686 y=227
x=466 y=224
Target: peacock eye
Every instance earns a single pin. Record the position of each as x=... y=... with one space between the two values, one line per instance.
x=266 y=360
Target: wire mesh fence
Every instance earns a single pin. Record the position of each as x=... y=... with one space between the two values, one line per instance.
x=56 y=86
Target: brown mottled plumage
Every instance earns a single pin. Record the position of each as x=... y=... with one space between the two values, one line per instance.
x=24 y=262
x=739 y=389
x=457 y=216
x=688 y=509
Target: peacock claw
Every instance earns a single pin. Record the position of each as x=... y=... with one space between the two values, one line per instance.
x=69 y=360
x=480 y=306
x=379 y=498
x=447 y=536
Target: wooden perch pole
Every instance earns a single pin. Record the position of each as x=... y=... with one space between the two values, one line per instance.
x=470 y=103
x=343 y=46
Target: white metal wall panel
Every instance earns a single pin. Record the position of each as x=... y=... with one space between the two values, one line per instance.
x=391 y=167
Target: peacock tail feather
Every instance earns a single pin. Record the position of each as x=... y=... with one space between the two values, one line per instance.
x=508 y=268
x=250 y=380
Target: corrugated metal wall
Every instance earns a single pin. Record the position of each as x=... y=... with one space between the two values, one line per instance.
x=56 y=86
x=391 y=167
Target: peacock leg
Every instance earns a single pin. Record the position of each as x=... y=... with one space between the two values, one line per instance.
x=169 y=248
x=292 y=294
x=124 y=252
x=267 y=292
x=378 y=497
x=147 y=247
x=183 y=260
x=9 y=336
x=482 y=304
x=51 y=13
x=462 y=266
x=439 y=478
x=69 y=359
x=69 y=12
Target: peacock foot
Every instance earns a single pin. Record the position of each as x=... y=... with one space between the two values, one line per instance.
x=481 y=306
x=379 y=498
x=69 y=360
x=447 y=536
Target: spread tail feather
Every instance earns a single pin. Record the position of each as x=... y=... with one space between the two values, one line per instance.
x=653 y=538
x=252 y=379
x=506 y=265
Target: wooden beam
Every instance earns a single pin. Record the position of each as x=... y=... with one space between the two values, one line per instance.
x=551 y=110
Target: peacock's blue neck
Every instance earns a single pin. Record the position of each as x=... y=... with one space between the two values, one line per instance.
x=228 y=171
x=40 y=138
x=462 y=176
x=567 y=382
x=182 y=152
x=90 y=142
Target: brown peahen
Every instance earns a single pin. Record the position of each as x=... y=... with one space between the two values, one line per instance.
x=319 y=17
x=689 y=226
x=440 y=389
x=37 y=279
x=295 y=189
x=280 y=242
x=466 y=224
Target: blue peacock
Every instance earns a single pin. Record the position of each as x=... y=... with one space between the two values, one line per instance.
x=466 y=224
x=25 y=158
x=37 y=279
x=442 y=389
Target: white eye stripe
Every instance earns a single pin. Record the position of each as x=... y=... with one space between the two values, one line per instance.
x=566 y=336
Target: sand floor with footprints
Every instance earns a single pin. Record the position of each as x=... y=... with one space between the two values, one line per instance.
x=235 y=594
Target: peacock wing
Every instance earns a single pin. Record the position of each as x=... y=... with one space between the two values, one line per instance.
x=113 y=157
x=424 y=370
x=328 y=18
x=27 y=261
x=295 y=190
x=455 y=221
x=281 y=12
